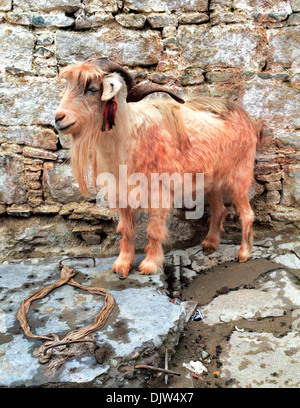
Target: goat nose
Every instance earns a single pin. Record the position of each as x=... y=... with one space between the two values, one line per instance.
x=59 y=116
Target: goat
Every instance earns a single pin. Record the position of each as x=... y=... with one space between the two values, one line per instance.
x=103 y=109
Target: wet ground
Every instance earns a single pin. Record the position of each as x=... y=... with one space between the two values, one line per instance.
x=248 y=336
x=219 y=345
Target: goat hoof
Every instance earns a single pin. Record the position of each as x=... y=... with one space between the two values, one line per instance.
x=208 y=251
x=208 y=247
x=121 y=275
x=121 y=270
x=243 y=256
x=149 y=268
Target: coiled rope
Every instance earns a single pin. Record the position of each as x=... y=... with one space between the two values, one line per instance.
x=76 y=336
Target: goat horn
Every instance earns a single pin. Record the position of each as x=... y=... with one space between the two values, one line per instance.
x=140 y=91
x=107 y=65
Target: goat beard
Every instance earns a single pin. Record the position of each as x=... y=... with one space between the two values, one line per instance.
x=109 y=114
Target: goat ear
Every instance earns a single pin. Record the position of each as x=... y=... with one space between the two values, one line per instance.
x=111 y=86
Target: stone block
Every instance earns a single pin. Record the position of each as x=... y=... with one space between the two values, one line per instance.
x=295 y=5
x=59 y=183
x=131 y=20
x=16 y=47
x=6 y=5
x=93 y=6
x=272 y=100
x=273 y=197
x=40 y=20
x=291 y=186
x=192 y=18
x=273 y=185
x=126 y=46
x=166 y=5
x=243 y=10
x=239 y=46
x=39 y=153
x=29 y=135
x=47 y=5
x=159 y=20
x=283 y=47
x=30 y=101
x=12 y=180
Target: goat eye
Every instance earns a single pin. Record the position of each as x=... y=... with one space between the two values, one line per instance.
x=91 y=89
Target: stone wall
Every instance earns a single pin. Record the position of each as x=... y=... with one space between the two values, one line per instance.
x=247 y=50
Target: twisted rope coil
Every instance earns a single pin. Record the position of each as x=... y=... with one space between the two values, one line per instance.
x=76 y=336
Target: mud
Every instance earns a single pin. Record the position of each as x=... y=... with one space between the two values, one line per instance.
x=200 y=342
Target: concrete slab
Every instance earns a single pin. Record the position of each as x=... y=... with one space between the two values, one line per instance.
x=275 y=293
x=260 y=360
x=143 y=322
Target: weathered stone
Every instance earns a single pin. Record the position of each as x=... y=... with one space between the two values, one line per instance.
x=261 y=360
x=262 y=168
x=127 y=335
x=272 y=100
x=39 y=153
x=256 y=190
x=96 y=20
x=63 y=155
x=273 y=197
x=284 y=48
x=269 y=177
x=261 y=302
x=11 y=148
x=286 y=216
x=30 y=136
x=192 y=18
x=169 y=32
x=42 y=52
x=166 y=5
x=90 y=238
x=192 y=76
x=124 y=45
x=34 y=201
x=92 y=6
x=17 y=211
x=47 y=5
x=40 y=20
x=32 y=176
x=16 y=41
x=12 y=184
x=6 y=5
x=224 y=13
x=131 y=20
x=291 y=186
x=159 y=20
x=289 y=260
x=47 y=209
x=219 y=76
x=60 y=184
x=290 y=139
x=30 y=101
x=33 y=164
x=65 y=141
x=294 y=19
x=239 y=10
x=34 y=189
x=239 y=46
x=295 y=5
x=274 y=185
